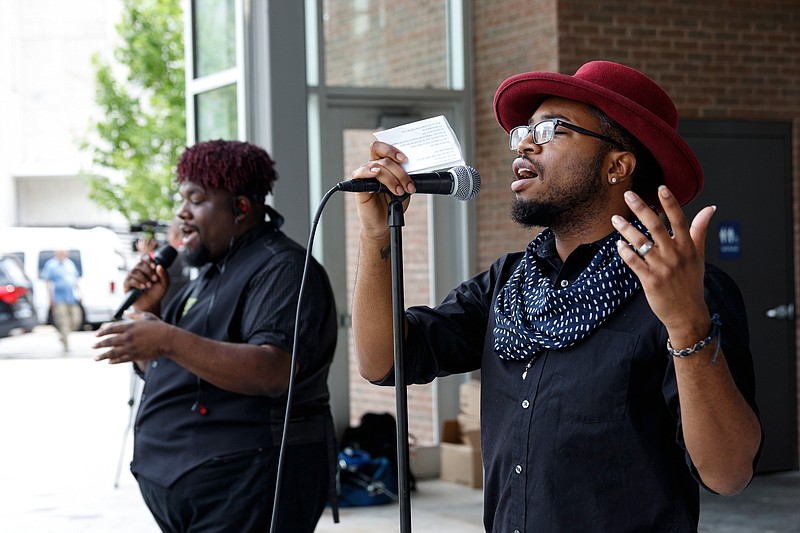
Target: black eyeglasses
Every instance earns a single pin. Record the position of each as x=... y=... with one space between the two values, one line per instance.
x=544 y=131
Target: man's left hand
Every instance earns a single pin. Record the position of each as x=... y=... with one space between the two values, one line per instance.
x=670 y=267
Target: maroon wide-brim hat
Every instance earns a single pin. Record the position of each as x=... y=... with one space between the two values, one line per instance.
x=626 y=95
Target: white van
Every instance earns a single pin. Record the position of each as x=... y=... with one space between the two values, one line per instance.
x=97 y=252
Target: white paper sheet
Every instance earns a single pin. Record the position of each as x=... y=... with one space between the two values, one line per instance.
x=429 y=144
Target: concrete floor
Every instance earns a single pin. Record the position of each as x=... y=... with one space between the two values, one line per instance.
x=65 y=450
x=771 y=504
x=436 y=507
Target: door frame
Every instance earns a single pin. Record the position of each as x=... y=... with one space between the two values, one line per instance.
x=451 y=231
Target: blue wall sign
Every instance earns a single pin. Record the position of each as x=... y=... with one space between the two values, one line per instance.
x=730 y=240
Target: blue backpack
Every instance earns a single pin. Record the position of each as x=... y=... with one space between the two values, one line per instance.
x=365 y=480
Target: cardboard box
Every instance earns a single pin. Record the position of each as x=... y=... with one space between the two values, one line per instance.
x=469 y=428
x=469 y=398
x=459 y=462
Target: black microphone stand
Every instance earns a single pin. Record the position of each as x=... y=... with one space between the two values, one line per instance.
x=396 y=222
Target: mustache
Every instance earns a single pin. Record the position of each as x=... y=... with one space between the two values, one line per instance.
x=523 y=161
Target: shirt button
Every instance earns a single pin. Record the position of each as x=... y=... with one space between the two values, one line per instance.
x=516 y=531
x=518 y=469
x=154 y=364
x=564 y=283
x=525 y=404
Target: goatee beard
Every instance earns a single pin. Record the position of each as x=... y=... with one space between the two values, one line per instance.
x=532 y=213
x=567 y=205
x=197 y=257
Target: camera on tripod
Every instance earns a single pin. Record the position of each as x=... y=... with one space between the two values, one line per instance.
x=150 y=234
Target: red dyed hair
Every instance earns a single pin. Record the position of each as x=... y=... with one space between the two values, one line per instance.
x=235 y=166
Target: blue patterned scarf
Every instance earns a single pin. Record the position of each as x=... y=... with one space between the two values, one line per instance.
x=532 y=315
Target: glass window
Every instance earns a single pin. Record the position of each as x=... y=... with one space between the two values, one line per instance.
x=11 y=272
x=216 y=114
x=214 y=36
x=386 y=43
x=365 y=397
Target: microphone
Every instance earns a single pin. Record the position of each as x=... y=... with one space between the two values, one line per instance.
x=462 y=182
x=164 y=257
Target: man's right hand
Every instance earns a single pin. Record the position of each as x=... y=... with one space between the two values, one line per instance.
x=385 y=165
x=152 y=280
x=372 y=295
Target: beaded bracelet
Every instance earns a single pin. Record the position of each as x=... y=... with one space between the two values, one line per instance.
x=712 y=334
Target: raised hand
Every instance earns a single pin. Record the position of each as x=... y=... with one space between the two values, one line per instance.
x=671 y=267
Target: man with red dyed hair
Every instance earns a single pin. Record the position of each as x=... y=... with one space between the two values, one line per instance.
x=216 y=364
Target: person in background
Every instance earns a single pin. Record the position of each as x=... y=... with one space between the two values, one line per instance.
x=616 y=374
x=216 y=362
x=62 y=275
x=146 y=244
x=179 y=271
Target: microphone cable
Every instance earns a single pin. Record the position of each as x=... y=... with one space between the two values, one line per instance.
x=295 y=342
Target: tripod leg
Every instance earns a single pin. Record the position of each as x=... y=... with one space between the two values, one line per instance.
x=133 y=401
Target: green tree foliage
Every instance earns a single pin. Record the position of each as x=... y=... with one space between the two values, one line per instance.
x=143 y=130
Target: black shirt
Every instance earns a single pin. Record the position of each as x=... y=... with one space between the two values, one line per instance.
x=586 y=438
x=251 y=297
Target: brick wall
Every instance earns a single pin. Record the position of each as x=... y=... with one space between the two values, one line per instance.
x=386 y=43
x=365 y=397
x=509 y=37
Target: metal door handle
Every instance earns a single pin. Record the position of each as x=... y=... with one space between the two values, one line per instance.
x=782 y=311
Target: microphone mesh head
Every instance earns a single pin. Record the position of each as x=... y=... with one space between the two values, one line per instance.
x=467 y=182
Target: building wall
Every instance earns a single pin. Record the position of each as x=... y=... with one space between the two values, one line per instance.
x=510 y=36
x=46 y=105
x=719 y=59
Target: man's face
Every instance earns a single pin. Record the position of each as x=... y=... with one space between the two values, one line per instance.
x=206 y=222
x=560 y=183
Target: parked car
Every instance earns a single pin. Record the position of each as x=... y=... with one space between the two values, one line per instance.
x=98 y=253
x=17 y=314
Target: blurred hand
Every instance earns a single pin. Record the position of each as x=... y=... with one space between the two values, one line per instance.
x=140 y=338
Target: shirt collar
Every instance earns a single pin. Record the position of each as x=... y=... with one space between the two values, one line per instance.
x=246 y=238
x=556 y=269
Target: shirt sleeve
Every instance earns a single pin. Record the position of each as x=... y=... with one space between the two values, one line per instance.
x=270 y=306
x=46 y=271
x=451 y=337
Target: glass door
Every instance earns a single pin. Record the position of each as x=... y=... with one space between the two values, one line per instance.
x=435 y=238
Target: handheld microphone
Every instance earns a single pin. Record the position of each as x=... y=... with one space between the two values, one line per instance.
x=462 y=182
x=164 y=257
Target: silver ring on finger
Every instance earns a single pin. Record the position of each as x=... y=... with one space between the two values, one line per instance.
x=646 y=247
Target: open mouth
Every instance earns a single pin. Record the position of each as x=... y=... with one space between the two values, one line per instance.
x=524 y=172
x=189 y=235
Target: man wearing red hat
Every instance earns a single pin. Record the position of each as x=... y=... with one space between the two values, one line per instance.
x=615 y=368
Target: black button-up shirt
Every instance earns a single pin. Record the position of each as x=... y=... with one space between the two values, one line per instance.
x=251 y=298
x=586 y=438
